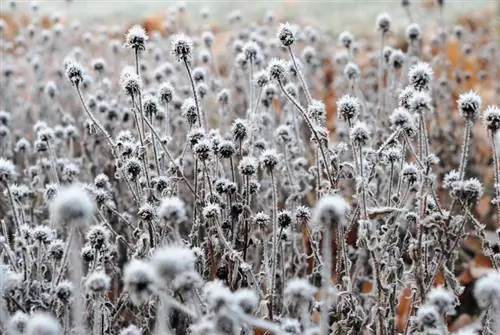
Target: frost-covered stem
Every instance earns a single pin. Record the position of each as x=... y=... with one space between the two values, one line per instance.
x=362 y=176
x=391 y=176
x=274 y=243
x=197 y=103
x=465 y=150
x=195 y=177
x=139 y=96
x=301 y=77
x=144 y=158
x=155 y=134
x=98 y=316
x=155 y=152
x=250 y=88
x=496 y=166
x=53 y=165
x=318 y=176
x=76 y=275
x=425 y=139
x=381 y=74
x=326 y=279
x=259 y=323
x=96 y=122
x=247 y=204
x=312 y=129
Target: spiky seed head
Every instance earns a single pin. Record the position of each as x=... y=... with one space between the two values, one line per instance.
x=420 y=103
x=182 y=47
x=346 y=39
x=286 y=34
x=420 y=76
x=171 y=261
x=7 y=170
x=71 y=204
x=97 y=282
x=351 y=71
x=136 y=38
x=348 y=107
x=384 y=22
x=248 y=166
x=277 y=69
x=469 y=105
x=330 y=211
x=360 y=133
x=139 y=280
x=74 y=71
x=172 y=210
x=492 y=118
x=43 y=324
x=413 y=32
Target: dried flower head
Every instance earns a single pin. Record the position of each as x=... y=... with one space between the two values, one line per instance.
x=97 y=282
x=139 y=280
x=172 y=210
x=182 y=47
x=286 y=34
x=469 y=105
x=72 y=204
x=330 y=210
x=384 y=22
x=136 y=38
x=420 y=76
x=492 y=118
x=43 y=324
x=171 y=261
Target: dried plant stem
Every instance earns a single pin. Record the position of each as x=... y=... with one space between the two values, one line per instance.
x=193 y=88
x=274 y=224
x=326 y=279
x=465 y=150
x=301 y=77
x=496 y=166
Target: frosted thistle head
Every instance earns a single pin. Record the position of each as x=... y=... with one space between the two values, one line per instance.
x=491 y=118
x=170 y=261
x=487 y=290
x=139 y=279
x=346 y=39
x=74 y=71
x=277 y=69
x=72 y=204
x=7 y=170
x=420 y=76
x=384 y=22
x=172 y=210
x=286 y=34
x=469 y=105
x=182 y=47
x=413 y=32
x=43 y=324
x=330 y=211
x=136 y=38
x=348 y=107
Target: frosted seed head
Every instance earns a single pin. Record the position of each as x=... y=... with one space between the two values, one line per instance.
x=360 y=134
x=413 y=32
x=397 y=59
x=97 y=282
x=351 y=71
x=71 y=204
x=420 y=103
x=287 y=34
x=74 y=71
x=492 y=118
x=443 y=300
x=139 y=279
x=420 y=76
x=469 y=105
x=7 y=170
x=248 y=166
x=130 y=330
x=330 y=211
x=17 y=323
x=130 y=81
x=487 y=290
x=384 y=22
x=136 y=38
x=172 y=210
x=171 y=261
x=428 y=317
x=269 y=159
x=239 y=129
x=348 y=107
x=182 y=47
x=211 y=211
x=346 y=39
x=43 y=324
x=277 y=69
x=247 y=300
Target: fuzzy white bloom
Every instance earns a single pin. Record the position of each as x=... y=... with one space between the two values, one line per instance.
x=247 y=300
x=172 y=210
x=428 y=317
x=43 y=324
x=139 y=278
x=218 y=295
x=97 y=282
x=17 y=323
x=182 y=47
x=7 y=170
x=330 y=210
x=131 y=330
x=71 y=204
x=443 y=300
x=487 y=290
x=136 y=38
x=170 y=261
x=298 y=291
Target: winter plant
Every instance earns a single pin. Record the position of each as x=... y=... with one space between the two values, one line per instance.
x=269 y=178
